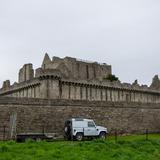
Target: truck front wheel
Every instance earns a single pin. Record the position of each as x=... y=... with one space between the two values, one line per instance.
x=102 y=135
x=79 y=136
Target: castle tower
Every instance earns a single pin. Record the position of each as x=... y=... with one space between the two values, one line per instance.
x=155 y=83
x=26 y=73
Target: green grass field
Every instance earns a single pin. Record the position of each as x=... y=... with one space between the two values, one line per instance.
x=127 y=148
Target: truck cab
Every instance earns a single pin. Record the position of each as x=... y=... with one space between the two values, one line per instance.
x=78 y=128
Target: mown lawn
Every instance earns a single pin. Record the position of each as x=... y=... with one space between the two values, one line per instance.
x=127 y=148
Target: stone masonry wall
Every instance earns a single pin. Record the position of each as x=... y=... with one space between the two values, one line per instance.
x=35 y=114
x=51 y=87
x=78 y=69
x=26 y=73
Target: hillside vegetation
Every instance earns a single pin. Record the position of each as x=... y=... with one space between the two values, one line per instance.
x=126 y=148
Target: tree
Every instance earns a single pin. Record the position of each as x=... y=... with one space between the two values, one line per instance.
x=111 y=77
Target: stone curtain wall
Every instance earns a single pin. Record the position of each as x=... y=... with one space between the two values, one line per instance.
x=54 y=88
x=101 y=93
x=34 y=115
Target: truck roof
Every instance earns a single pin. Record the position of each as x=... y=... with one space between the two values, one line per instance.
x=80 y=119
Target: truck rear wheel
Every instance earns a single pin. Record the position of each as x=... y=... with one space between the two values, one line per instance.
x=79 y=136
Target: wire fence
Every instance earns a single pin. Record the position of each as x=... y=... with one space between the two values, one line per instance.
x=117 y=136
x=114 y=136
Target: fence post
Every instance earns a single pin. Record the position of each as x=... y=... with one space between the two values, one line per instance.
x=43 y=130
x=146 y=134
x=116 y=135
x=4 y=132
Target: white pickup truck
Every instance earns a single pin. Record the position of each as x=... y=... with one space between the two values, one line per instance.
x=77 y=128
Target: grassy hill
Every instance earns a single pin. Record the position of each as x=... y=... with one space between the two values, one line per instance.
x=126 y=148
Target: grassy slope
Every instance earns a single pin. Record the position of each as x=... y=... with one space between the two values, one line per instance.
x=127 y=148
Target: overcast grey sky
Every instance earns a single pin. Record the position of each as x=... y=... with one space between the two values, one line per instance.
x=123 y=33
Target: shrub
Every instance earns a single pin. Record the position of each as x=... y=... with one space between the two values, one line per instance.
x=4 y=148
x=111 y=78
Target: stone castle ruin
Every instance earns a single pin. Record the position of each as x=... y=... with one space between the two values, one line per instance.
x=69 y=78
x=67 y=87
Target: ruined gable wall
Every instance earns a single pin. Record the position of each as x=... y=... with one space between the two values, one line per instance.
x=87 y=70
x=78 y=69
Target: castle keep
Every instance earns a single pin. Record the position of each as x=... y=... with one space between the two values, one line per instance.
x=67 y=87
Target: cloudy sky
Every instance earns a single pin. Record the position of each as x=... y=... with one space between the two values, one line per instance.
x=123 y=33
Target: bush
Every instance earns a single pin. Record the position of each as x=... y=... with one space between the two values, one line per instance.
x=111 y=78
x=4 y=148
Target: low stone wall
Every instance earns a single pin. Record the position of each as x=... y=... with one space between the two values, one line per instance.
x=34 y=115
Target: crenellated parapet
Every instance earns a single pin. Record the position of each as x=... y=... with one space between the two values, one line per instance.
x=21 y=89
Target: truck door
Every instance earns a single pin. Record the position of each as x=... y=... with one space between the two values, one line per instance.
x=90 y=130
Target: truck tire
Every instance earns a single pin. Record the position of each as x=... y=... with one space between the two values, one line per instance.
x=102 y=135
x=79 y=136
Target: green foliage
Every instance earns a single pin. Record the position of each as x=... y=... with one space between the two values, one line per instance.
x=111 y=77
x=3 y=148
x=127 y=148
